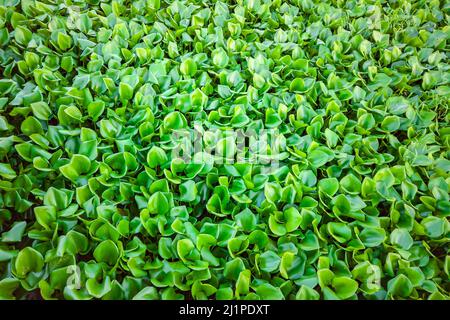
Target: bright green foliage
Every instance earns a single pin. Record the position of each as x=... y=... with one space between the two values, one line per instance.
x=93 y=94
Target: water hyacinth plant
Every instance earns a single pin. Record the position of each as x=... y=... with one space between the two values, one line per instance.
x=249 y=149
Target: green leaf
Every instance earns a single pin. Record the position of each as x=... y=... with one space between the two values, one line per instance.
x=174 y=120
x=6 y=171
x=281 y=223
x=400 y=286
x=158 y=203
x=351 y=184
x=372 y=237
x=79 y=164
x=64 y=41
x=95 y=109
x=233 y=269
x=268 y=292
x=14 y=234
x=269 y=261
x=390 y=123
x=7 y=288
x=147 y=293
x=107 y=252
x=156 y=157
x=41 y=110
x=397 y=105
x=22 y=35
x=307 y=293
x=28 y=260
x=339 y=231
x=220 y=58
x=434 y=227
x=246 y=220
x=344 y=287
x=188 y=191
x=401 y=238
x=329 y=186
x=188 y=67
x=292 y=266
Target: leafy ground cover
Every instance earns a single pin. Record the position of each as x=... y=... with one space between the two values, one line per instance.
x=352 y=202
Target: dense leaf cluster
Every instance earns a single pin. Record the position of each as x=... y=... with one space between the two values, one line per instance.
x=93 y=205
